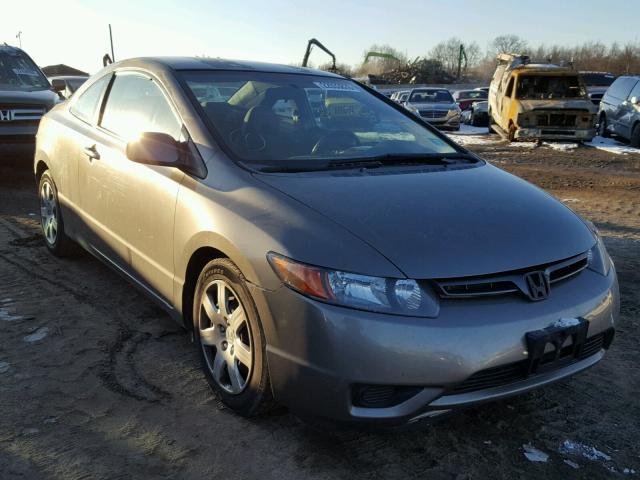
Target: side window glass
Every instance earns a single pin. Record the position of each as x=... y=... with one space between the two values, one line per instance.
x=135 y=105
x=509 y=91
x=86 y=105
x=635 y=91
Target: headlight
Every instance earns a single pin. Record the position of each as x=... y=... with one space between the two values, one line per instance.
x=599 y=259
x=454 y=112
x=397 y=296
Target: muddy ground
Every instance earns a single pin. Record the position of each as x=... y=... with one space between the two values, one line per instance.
x=96 y=382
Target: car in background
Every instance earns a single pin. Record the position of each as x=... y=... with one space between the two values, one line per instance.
x=539 y=102
x=619 y=111
x=484 y=89
x=597 y=84
x=436 y=106
x=466 y=98
x=358 y=265
x=477 y=115
x=400 y=96
x=25 y=96
x=66 y=85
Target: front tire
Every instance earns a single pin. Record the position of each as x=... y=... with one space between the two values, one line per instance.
x=602 y=127
x=635 y=136
x=230 y=339
x=51 y=222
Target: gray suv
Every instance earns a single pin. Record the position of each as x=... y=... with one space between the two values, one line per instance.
x=25 y=96
x=619 y=111
x=327 y=248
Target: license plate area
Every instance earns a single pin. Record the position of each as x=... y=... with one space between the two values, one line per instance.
x=555 y=346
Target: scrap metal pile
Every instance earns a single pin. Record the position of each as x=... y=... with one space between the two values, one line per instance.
x=420 y=71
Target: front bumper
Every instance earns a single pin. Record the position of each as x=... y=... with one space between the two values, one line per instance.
x=444 y=123
x=553 y=133
x=319 y=353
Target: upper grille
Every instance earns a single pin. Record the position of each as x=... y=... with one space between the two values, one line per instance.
x=556 y=120
x=514 y=372
x=433 y=113
x=509 y=282
x=21 y=113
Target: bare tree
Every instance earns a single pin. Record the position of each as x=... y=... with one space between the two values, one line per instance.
x=507 y=44
x=448 y=54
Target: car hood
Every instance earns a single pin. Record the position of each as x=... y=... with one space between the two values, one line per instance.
x=434 y=106
x=573 y=104
x=37 y=97
x=439 y=224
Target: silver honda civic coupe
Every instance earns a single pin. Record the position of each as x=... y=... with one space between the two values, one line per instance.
x=329 y=250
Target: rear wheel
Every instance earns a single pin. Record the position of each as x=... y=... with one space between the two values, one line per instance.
x=635 y=136
x=230 y=339
x=51 y=222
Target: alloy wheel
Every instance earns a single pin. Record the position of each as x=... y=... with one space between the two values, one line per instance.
x=48 y=212
x=225 y=337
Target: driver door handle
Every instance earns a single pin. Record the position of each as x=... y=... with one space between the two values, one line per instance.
x=91 y=152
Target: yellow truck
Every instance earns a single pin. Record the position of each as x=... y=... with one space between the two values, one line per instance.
x=539 y=102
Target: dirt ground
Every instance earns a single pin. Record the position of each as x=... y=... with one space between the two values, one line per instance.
x=96 y=382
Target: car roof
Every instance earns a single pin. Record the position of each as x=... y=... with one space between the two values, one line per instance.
x=197 y=63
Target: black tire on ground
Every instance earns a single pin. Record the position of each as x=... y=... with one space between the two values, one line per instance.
x=256 y=397
x=635 y=136
x=51 y=221
x=602 y=126
x=490 y=124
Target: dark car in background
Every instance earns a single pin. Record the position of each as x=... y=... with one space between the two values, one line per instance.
x=25 y=96
x=466 y=98
x=619 y=111
x=597 y=84
x=66 y=85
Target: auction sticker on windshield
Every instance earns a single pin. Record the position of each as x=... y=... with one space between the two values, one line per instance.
x=343 y=86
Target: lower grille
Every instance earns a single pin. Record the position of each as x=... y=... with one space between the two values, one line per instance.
x=515 y=372
x=433 y=113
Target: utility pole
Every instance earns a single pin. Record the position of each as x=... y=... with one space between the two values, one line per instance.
x=19 y=37
x=113 y=57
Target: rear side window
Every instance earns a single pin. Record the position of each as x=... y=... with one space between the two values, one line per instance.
x=86 y=105
x=135 y=105
x=622 y=87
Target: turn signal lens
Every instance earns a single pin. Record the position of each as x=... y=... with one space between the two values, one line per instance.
x=304 y=278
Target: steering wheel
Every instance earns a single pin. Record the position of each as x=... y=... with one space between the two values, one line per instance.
x=336 y=142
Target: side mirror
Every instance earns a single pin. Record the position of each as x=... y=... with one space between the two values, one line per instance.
x=154 y=148
x=58 y=85
x=634 y=100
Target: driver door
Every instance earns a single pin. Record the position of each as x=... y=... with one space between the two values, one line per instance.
x=131 y=206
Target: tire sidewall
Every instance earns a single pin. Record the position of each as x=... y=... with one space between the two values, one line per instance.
x=247 y=401
x=55 y=247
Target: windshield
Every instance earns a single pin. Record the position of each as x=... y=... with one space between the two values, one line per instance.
x=18 y=72
x=471 y=94
x=532 y=87
x=598 y=79
x=430 y=96
x=271 y=118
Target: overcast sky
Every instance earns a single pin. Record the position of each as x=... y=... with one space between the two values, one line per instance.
x=75 y=32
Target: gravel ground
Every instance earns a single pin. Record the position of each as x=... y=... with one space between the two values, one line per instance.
x=96 y=382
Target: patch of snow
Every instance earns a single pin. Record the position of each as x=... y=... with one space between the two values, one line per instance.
x=36 y=336
x=471 y=130
x=30 y=431
x=5 y=316
x=487 y=442
x=561 y=146
x=629 y=471
x=566 y=322
x=572 y=464
x=579 y=449
x=4 y=367
x=611 y=145
x=571 y=200
x=533 y=454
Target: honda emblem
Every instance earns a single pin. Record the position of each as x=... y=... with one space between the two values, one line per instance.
x=5 y=115
x=537 y=285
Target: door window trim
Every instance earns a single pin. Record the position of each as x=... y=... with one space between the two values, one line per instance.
x=100 y=103
x=144 y=74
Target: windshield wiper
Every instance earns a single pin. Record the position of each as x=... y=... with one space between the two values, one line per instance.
x=311 y=165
